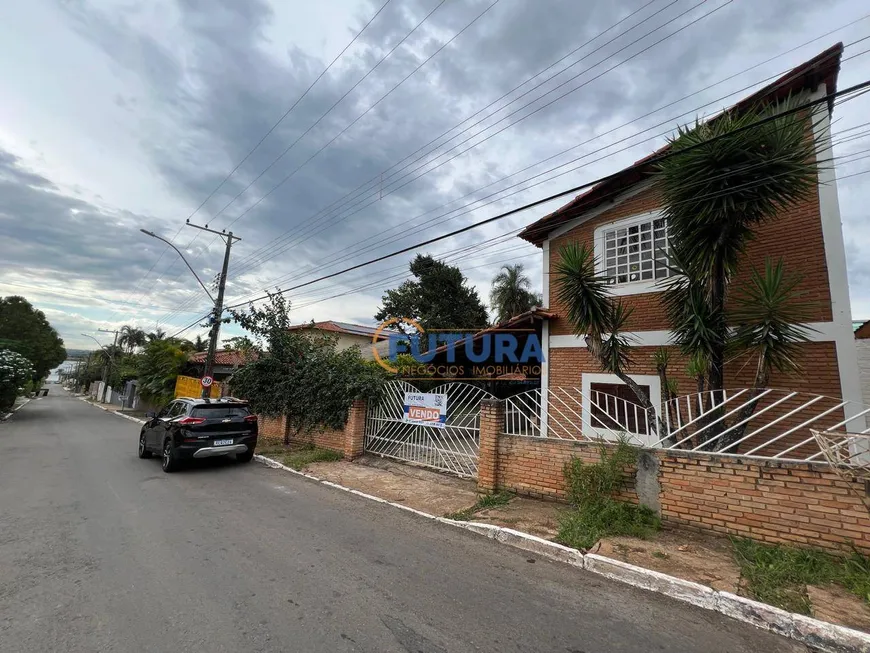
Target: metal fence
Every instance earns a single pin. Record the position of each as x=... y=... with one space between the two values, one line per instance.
x=453 y=448
x=753 y=422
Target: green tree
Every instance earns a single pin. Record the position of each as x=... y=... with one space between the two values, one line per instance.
x=15 y=372
x=131 y=338
x=26 y=330
x=200 y=344
x=301 y=375
x=438 y=298
x=725 y=178
x=159 y=365
x=511 y=293
x=157 y=334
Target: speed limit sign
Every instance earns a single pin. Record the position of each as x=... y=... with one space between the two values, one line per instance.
x=206 y=381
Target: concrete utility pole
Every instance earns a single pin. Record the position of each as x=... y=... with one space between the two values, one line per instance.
x=214 y=333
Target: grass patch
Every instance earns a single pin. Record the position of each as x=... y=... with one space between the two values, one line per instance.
x=597 y=514
x=304 y=457
x=661 y=555
x=778 y=575
x=583 y=527
x=484 y=502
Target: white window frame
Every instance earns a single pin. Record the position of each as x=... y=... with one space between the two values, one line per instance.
x=655 y=397
x=632 y=287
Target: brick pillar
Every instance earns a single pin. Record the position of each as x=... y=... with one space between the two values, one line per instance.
x=491 y=426
x=355 y=430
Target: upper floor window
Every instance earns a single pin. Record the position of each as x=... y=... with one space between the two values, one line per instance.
x=633 y=250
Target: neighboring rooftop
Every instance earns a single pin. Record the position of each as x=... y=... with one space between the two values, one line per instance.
x=823 y=68
x=341 y=327
x=223 y=357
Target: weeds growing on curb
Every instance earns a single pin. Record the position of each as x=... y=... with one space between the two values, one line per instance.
x=779 y=575
x=484 y=502
x=596 y=513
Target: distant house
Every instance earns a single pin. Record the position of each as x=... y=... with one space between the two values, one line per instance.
x=348 y=335
x=226 y=362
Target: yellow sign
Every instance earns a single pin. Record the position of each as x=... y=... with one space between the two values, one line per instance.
x=188 y=386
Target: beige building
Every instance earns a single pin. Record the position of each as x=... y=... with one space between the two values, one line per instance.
x=349 y=335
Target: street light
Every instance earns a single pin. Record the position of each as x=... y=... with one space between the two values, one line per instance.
x=153 y=235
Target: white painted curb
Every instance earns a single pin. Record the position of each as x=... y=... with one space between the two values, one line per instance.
x=820 y=635
x=113 y=412
x=3 y=418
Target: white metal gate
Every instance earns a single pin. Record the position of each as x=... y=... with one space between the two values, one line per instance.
x=453 y=448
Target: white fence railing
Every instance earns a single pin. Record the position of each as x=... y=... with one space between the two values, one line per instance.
x=765 y=423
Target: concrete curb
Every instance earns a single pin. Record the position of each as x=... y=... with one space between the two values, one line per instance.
x=3 y=418
x=113 y=412
x=820 y=635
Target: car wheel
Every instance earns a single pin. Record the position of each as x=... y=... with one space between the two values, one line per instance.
x=246 y=457
x=170 y=463
x=143 y=450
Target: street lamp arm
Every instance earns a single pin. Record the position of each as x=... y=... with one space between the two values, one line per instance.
x=153 y=235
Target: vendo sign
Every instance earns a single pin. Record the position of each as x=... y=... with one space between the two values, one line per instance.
x=426 y=408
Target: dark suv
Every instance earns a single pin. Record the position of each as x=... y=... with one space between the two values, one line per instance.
x=199 y=428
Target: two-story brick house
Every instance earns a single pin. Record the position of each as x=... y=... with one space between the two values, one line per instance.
x=621 y=218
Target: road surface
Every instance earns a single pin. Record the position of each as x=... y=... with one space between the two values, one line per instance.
x=101 y=551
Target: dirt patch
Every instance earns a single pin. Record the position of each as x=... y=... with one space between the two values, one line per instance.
x=838 y=605
x=416 y=488
x=539 y=518
x=684 y=554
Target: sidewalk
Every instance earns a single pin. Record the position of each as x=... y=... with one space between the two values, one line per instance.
x=136 y=415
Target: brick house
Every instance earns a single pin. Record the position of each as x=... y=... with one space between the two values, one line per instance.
x=625 y=210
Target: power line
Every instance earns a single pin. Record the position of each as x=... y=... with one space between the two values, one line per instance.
x=571 y=79
x=562 y=84
x=638 y=166
x=498 y=193
x=269 y=132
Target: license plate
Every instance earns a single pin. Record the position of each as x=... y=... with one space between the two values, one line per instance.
x=221 y=443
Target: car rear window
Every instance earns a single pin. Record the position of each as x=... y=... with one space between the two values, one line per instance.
x=219 y=412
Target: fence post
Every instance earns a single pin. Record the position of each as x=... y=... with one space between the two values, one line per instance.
x=491 y=427
x=355 y=430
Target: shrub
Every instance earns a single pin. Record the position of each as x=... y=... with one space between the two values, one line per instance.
x=597 y=514
x=15 y=372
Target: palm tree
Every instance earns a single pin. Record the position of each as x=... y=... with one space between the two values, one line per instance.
x=511 y=294
x=131 y=337
x=157 y=334
x=727 y=177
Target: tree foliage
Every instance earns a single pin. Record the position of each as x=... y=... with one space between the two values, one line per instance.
x=159 y=366
x=301 y=375
x=511 y=293
x=131 y=338
x=438 y=298
x=26 y=330
x=15 y=372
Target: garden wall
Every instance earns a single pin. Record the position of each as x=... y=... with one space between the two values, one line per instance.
x=347 y=441
x=775 y=502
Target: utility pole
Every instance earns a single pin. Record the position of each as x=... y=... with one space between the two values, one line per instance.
x=217 y=316
x=108 y=361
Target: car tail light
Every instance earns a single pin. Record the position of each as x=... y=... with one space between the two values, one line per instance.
x=250 y=418
x=187 y=421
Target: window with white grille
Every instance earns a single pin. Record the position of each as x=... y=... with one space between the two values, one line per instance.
x=634 y=251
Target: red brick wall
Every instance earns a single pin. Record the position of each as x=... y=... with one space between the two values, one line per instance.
x=789 y=503
x=348 y=440
x=796 y=236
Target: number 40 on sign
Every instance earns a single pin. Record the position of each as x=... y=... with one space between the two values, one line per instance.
x=426 y=408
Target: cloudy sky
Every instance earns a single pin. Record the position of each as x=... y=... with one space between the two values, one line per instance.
x=118 y=115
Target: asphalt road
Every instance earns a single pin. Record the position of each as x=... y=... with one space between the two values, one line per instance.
x=100 y=551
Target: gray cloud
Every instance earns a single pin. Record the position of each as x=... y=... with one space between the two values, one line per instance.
x=213 y=84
